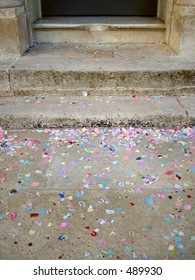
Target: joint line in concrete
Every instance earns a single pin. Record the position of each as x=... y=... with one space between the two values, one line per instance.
x=183 y=106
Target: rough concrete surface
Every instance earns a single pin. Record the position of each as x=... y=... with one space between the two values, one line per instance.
x=120 y=193
x=4 y=77
x=62 y=111
x=103 y=69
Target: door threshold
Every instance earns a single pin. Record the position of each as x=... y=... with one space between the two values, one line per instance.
x=109 y=22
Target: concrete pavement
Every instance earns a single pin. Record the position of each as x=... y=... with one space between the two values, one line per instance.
x=98 y=193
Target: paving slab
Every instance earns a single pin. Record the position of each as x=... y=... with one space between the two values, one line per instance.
x=91 y=161
x=149 y=217
x=55 y=111
x=66 y=230
x=84 y=160
x=28 y=160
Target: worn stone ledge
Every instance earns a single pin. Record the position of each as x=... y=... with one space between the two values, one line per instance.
x=56 y=81
x=55 y=111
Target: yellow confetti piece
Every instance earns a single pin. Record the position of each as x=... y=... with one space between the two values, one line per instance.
x=32 y=231
x=27 y=175
x=174 y=251
x=50 y=224
x=70 y=197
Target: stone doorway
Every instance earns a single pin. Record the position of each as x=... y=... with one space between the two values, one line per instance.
x=99 y=8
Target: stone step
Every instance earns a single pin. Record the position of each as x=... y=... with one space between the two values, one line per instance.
x=100 y=69
x=96 y=111
x=99 y=30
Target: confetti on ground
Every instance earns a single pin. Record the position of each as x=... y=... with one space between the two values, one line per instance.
x=120 y=193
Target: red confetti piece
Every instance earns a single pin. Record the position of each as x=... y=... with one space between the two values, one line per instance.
x=93 y=233
x=12 y=216
x=3 y=180
x=169 y=172
x=34 y=215
x=132 y=204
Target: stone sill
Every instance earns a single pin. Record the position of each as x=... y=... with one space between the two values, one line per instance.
x=99 y=23
x=10 y=3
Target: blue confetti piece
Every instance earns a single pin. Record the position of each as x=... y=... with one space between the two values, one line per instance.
x=42 y=212
x=96 y=178
x=138 y=158
x=149 y=200
x=121 y=184
x=177 y=186
x=128 y=249
x=79 y=195
x=192 y=169
x=27 y=180
x=61 y=238
x=110 y=252
x=61 y=195
x=21 y=187
x=178 y=239
x=29 y=208
x=180 y=246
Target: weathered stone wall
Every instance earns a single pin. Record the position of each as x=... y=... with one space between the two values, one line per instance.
x=182 y=35
x=14 y=34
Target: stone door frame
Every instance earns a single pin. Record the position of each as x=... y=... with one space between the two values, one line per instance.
x=17 y=17
x=33 y=10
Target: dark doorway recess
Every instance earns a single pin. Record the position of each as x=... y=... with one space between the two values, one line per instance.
x=99 y=7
